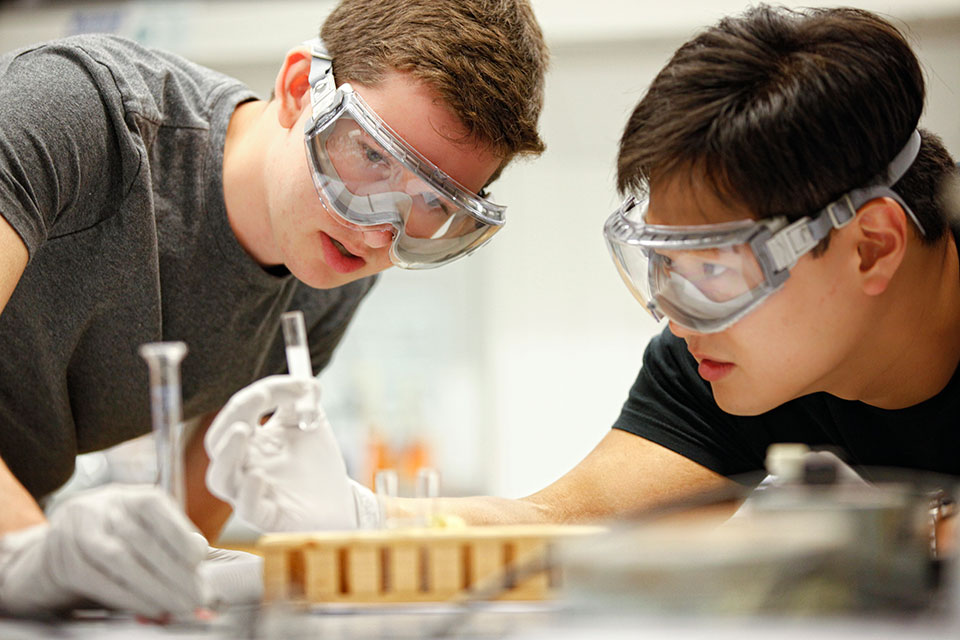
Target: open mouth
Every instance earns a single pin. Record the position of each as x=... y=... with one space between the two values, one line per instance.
x=712 y=370
x=342 y=249
x=338 y=256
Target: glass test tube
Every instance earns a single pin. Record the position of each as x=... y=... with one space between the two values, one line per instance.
x=428 y=490
x=299 y=364
x=163 y=359
x=385 y=484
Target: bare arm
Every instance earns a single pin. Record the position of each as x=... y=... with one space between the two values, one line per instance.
x=624 y=474
x=206 y=511
x=13 y=260
x=20 y=510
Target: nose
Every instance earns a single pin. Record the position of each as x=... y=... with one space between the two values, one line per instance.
x=373 y=237
x=414 y=186
x=680 y=331
x=378 y=238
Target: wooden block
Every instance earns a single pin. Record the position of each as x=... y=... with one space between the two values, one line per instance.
x=444 y=568
x=526 y=553
x=404 y=570
x=362 y=568
x=276 y=574
x=485 y=563
x=321 y=573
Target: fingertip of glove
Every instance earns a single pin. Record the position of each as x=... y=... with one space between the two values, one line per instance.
x=222 y=435
x=196 y=550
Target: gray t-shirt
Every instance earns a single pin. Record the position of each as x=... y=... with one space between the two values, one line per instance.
x=111 y=171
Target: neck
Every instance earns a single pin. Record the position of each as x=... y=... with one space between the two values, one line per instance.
x=915 y=331
x=244 y=157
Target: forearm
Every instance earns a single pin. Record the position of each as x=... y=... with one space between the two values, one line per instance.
x=20 y=510
x=570 y=500
x=476 y=510
x=209 y=513
x=623 y=476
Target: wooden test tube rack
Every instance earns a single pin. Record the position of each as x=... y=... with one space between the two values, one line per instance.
x=414 y=564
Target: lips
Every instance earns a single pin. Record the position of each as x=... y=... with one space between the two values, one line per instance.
x=337 y=260
x=711 y=370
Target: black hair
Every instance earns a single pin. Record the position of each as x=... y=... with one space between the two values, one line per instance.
x=785 y=110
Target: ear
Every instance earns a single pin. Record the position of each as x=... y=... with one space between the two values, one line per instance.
x=292 y=86
x=881 y=244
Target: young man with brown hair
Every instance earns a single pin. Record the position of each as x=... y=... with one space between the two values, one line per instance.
x=799 y=233
x=144 y=198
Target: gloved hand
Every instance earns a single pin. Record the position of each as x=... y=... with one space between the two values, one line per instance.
x=278 y=476
x=121 y=547
x=231 y=577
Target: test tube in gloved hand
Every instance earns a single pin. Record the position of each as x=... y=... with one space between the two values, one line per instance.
x=299 y=365
x=163 y=359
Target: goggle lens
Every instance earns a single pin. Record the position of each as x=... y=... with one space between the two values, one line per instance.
x=371 y=178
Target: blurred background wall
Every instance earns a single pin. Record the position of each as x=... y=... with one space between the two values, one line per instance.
x=504 y=369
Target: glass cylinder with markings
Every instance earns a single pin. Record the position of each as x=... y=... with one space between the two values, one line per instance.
x=163 y=360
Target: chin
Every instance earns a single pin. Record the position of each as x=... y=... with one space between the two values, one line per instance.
x=322 y=276
x=743 y=403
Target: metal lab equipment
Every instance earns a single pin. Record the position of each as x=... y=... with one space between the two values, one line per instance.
x=812 y=546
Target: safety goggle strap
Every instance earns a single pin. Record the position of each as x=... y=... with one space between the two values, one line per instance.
x=895 y=170
x=323 y=87
x=787 y=245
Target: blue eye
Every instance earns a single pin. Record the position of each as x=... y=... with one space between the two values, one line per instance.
x=713 y=270
x=372 y=155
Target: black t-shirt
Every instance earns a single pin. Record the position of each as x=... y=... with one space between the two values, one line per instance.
x=670 y=404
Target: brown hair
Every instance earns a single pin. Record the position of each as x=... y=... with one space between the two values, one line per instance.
x=486 y=60
x=784 y=111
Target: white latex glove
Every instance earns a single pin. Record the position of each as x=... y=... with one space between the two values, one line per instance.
x=121 y=547
x=231 y=577
x=277 y=476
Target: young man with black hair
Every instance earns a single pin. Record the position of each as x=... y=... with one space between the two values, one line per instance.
x=830 y=314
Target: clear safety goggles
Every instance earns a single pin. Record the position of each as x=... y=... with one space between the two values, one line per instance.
x=706 y=277
x=371 y=177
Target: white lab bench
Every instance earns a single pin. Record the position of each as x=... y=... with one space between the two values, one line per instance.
x=510 y=621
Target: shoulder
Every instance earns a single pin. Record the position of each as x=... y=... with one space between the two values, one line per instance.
x=150 y=83
x=100 y=58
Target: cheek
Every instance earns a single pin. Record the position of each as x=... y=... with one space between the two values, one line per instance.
x=772 y=357
x=786 y=349
x=296 y=204
x=783 y=332
x=282 y=171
